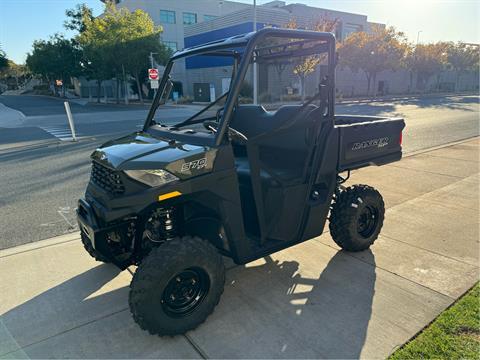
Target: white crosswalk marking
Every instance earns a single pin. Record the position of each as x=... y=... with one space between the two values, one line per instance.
x=61 y=132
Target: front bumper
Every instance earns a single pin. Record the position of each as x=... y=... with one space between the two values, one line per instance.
x=100 y=236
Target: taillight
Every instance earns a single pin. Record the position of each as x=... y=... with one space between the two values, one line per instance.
x=401 y=138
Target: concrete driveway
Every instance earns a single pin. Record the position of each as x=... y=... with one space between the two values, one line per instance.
x=309 y=301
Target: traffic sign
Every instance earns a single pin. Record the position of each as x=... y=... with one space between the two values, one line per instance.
x=154 y=84
x=153 y=74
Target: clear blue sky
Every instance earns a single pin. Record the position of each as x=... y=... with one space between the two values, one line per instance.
x=23 y=21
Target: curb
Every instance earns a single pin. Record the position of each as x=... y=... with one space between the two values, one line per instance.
x=422 y=151
x=400 y=97
x=76 y=235
x=40 y=244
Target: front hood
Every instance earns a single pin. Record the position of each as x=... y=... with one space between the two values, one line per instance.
x=141 y=151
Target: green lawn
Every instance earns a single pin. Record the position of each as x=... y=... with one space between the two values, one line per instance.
x=455 y=334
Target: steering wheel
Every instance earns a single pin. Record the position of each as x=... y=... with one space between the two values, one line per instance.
x=235 y=135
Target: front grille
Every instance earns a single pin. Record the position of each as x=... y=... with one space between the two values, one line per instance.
x=107 y=179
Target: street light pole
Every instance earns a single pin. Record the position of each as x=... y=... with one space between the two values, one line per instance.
x=151 y=60
x=418 y=35
x=255 y=68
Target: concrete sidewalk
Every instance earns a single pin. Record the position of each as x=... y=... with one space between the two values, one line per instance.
x=10 y=118
x=309 y=301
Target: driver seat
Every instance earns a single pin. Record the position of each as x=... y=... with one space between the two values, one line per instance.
x=282 y=151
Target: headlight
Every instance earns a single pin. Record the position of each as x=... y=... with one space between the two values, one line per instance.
x=151 y=177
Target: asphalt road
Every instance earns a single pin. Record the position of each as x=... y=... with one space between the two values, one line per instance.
x=37 y=105
x=41 y=183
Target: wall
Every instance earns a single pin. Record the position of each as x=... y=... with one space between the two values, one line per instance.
x=175 y=32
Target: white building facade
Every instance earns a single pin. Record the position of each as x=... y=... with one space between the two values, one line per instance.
x=192 y=22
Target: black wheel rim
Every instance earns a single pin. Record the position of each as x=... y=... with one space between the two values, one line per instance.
x=367 y=221
x=185 y=292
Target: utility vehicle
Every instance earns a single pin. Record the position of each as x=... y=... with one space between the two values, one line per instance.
x=235 y=179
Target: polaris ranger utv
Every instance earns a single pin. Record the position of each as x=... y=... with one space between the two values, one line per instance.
x=234 y=179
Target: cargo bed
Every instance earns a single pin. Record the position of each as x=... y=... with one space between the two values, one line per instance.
x=368 y=140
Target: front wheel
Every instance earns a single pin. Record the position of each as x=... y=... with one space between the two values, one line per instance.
x=177 y=286
x=357 y=217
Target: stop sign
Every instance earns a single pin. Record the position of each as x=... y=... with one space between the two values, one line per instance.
x=153 y=74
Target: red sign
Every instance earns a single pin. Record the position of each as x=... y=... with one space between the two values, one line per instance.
x=153 y=74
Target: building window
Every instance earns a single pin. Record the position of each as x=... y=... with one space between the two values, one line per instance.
x=350 y=28
x=172 y=45
x=209 y=17
x=189 y=18
x=167 y=17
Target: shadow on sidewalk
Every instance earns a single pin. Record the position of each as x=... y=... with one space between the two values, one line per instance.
x=279 y=310
x=61 y=308
x=267 y=311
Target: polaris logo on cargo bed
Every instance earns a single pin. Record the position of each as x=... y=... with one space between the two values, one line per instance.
x=195 y=164
x=380 y=142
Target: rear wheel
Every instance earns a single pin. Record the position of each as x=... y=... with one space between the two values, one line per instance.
x=89 y=248
x=357 y=217
x=177 y=286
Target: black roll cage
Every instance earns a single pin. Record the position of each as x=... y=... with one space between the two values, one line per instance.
x=249 y=41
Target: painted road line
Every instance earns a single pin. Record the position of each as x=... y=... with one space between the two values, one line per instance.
x=60 y=132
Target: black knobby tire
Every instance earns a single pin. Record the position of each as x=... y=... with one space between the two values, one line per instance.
x=89 y=248
x=201 y=271
x=356 y=217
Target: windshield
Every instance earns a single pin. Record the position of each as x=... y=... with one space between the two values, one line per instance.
x=195 y=91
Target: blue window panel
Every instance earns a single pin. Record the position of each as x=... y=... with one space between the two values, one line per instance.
x=198 y=62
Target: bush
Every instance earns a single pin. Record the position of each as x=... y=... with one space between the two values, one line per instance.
x=294 y=97
x=246 y=90
x=41 y=87
x=185 y=100
x=245 y=100
x=265 y=98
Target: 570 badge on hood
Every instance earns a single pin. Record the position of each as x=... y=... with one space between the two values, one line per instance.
x=195 y=164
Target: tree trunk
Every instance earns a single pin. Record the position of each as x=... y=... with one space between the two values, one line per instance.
x=369 y=78
x=374 y=78
x=457 y=81
x=140 y=95
x=410 y=89
x=117 y=86
x=89 y=92
x=125 y=85
x=99 y=90
x=105 y=92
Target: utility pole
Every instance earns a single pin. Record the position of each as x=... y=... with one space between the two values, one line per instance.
x=151 y=60
x=418 y=35
x=255 y=66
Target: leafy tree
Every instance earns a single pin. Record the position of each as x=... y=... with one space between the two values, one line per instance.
x=426 y=60
x=3 y=60
x=17 y=72
x=379 y=50
x=78 y=17
x=56 y=58
x=462 y=57
x=308 y=64
x=121 y=41
x=305 y=67
x=100 y=58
